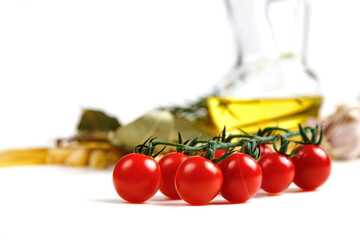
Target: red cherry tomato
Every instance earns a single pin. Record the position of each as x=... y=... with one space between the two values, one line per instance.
x=218 y=153
x=242 y=177
x=264 y=149
x=136 y=177
x=198 y=180
x=278 y=172
x=312 y=167
x=169 y=165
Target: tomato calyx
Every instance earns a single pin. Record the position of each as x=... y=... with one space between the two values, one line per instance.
x=252 y=149
x=148 y=148
x=284 y=146
x=222 y=137
x=248 y=146
x=181 y=149
x=211 y=148
x=316 y=134
x=309 y=135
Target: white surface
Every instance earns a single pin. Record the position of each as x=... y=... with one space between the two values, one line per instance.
x=51 y=202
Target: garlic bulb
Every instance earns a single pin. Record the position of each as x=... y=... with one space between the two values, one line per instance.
x=341 y=132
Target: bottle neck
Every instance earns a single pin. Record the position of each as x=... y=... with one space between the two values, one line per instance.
x=268 y=29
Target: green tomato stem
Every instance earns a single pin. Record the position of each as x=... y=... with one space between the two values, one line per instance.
x=249 y=143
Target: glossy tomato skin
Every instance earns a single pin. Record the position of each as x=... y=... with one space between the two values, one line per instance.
x=312 y=167
x=242 y=177
x=169 y=165
x=219 y=153
x=198 y=180
x=264 y=149
x=136 y=177
x=278 y=172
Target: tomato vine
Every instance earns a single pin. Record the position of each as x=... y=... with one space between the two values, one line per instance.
x=281 y=139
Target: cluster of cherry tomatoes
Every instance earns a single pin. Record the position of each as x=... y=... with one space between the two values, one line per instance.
x=197 y=180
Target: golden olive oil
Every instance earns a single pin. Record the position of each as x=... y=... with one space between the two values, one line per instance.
x=251 y=114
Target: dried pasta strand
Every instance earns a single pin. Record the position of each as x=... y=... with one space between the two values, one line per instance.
x=22 y=157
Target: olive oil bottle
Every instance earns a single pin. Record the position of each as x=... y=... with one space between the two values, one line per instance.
x=250 y=115
x=270 y=83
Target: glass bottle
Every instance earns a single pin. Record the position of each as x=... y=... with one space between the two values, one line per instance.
x=270 y=83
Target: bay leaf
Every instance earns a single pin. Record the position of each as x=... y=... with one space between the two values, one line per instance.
x=96 y=121
x=190 y=129
x=161 y=124
x=158 y=123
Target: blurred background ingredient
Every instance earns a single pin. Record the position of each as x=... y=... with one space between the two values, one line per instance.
x=341 y=131
x=270 y=81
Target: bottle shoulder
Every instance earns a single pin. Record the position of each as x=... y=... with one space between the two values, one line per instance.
x=283 y=77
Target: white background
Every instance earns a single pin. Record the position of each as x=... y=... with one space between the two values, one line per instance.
x=127 y=57
x=47 y=202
